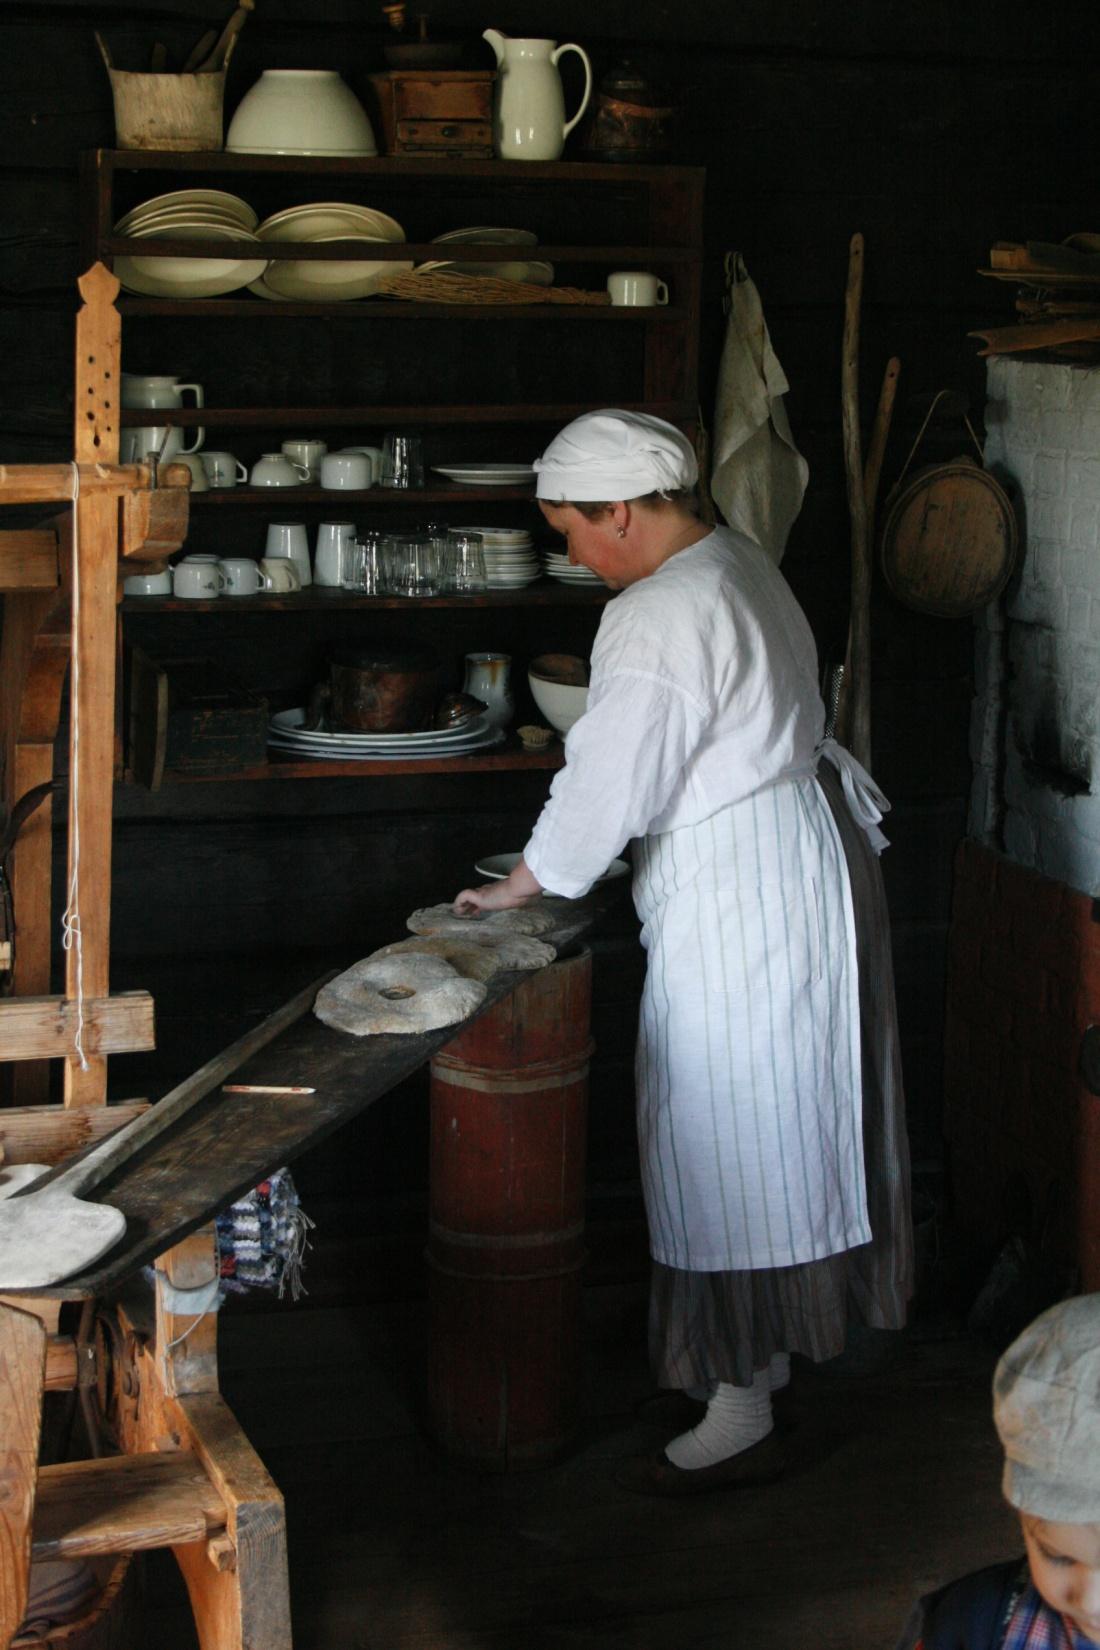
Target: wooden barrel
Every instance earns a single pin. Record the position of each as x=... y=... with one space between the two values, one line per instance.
x=949 y=540
x=509 y=1103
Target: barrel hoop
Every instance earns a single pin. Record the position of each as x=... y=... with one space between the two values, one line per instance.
x=525 y=1079
x=507 y=1277
x=524 y=1240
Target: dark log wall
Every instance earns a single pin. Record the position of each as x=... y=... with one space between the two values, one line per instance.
x=932 y=127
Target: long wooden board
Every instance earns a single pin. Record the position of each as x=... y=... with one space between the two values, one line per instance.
x=228 y=1143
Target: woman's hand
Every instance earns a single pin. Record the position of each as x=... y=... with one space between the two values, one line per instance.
x=516 y=888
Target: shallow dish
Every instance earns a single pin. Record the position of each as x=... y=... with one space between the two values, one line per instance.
x=486 y=233
x=192 y=197
x=499 y=865
x=487 y=475
x=332 y=280
x=536 y=272
x=329 y=220
x=172 y=277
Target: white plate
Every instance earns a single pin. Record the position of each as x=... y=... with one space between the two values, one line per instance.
x=192 y=197
x=499 y=865
x=487 y=475
x=494 y=237
x=330 y=280
x=324 y=220
x=536 y=272
x=349 y=753
x=174 y=277
x=288 y=724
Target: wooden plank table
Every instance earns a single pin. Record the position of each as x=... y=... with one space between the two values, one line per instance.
x=228 y=1143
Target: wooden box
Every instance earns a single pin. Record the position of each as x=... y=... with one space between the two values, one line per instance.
x=441 y=112
x=191 y=716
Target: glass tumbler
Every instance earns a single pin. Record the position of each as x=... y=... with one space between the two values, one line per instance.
x=367 y=567
x=402 y=461
x=415 y=566
x=464 y=563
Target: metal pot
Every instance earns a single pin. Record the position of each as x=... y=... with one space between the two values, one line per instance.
x=382 y=690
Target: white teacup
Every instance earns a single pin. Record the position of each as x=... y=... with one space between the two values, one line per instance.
x=139 y=440
x=334 y=541
x=636 y=286
x=346 y=470
x=300 y=450
x=279 y=574
x=223 y=469
x=242 y=575
x=375 y=456
x=197 y=578
x=148 y=584
x=289 y=538
x=277 y=470
x=192 y=462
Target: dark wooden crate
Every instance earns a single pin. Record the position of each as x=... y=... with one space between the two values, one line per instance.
x=192 y=716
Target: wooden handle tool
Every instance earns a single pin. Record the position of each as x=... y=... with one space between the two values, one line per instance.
x=201 y=50
x=223 y=50
x=857 y=679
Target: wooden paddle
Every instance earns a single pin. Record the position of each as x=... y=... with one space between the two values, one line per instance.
x=49 y=1232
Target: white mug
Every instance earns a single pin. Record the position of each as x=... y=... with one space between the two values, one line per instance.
x=277 y=470
x=375 y=456
x=288 y=538
x=346 y=470
x=148 y=584
x=139 y=440
x=197 y=578
x=279 y=573
x=222 y=469
x=636 y=287
x=242 y=575
x=334 y=541
x=307 y=452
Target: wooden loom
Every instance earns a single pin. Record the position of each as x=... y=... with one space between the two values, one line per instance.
x=185 y=1476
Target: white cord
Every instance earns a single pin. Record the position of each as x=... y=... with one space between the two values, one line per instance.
x=71 y=936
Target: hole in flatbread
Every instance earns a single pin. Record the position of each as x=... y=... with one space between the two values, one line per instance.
x=395 y=993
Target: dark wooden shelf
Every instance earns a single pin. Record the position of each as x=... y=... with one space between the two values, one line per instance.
x=408 y=168
x=399 y=309
x=543 y=593
x=511 y=759
x=403 y=417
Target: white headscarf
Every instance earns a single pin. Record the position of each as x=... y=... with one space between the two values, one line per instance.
x=610 y=455
x=1046 y=1407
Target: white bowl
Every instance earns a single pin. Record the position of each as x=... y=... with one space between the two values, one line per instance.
x=300 y=112
x=560 y=703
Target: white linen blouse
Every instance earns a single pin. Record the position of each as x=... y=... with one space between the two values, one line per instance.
x=703 y=691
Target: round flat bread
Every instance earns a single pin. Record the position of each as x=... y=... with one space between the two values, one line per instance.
x=397 y=994
x=477 y=962
x=486 y=927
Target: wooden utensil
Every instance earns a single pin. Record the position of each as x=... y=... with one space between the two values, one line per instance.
x=856 y=688
x=202 y=49
x=223 y=50
x=49 y=1232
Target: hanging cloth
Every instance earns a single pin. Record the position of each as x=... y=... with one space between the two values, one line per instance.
x=758 y=476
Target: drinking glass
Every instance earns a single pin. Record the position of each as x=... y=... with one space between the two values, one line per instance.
x=402 y=461
x=464 y=564
x=415 y=565
x=368 y=565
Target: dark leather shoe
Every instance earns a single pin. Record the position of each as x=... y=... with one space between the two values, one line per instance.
x=762 y=1463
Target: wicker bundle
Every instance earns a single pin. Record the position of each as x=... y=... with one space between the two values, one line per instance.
x=443 y=287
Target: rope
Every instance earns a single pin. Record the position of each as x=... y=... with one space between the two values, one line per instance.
x=71 y=937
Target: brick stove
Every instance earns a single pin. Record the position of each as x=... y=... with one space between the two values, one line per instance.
x=1022 y=1056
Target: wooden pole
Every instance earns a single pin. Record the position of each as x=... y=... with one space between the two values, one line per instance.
x=858 y=668
x=92 y=670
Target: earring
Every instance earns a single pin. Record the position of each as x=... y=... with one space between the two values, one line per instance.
x=620 y=532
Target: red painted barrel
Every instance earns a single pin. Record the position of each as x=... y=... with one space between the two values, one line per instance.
x=509 y=1106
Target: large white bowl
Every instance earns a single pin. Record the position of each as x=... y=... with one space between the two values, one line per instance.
x=300 y=112
x=560 y=703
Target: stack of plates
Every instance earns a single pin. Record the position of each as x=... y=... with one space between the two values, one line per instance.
x=535 y=270
x=510 y=560
x=323 y=280
x=558 y=566
x=189 y=215
x=287 y=733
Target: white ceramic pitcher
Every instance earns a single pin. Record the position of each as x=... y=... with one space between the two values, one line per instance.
x=529 y=109
x=161 y=392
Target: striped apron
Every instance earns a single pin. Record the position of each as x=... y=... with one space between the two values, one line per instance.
x=764 y=1173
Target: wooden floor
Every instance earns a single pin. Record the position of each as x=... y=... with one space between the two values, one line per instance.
x=893 y=1487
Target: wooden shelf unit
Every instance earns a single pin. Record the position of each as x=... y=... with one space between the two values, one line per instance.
x=589 y=218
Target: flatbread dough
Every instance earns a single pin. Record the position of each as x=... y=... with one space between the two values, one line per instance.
x=486 y=928
x=477 y=962
x=406 y=993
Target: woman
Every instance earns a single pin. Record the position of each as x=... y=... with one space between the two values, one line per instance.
x=774 y=1162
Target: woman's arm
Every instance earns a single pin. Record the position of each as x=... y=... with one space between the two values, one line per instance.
x=516 y=888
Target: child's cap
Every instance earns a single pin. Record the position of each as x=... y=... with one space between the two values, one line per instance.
x=1046 y=1407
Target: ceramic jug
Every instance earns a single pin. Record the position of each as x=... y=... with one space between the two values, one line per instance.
x=488 y=678
x=161 y=392
x=528 y=108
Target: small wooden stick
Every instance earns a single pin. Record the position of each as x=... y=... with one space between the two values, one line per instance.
x=103 y=52
x=202 y=49
x=265 y=1088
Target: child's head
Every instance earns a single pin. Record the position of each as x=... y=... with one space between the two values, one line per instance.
x=1046 y=1405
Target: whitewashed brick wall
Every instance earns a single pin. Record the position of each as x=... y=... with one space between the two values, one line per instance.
x=1035 y=732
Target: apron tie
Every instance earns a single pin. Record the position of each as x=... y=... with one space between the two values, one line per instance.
x=866 y=802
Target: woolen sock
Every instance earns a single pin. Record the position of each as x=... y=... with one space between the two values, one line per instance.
x=737 y=1417
x=779 y=1371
